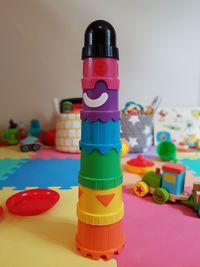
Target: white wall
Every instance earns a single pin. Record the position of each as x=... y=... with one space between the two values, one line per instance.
x=41 y=41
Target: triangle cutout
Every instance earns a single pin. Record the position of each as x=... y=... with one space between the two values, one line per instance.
x=105 y=199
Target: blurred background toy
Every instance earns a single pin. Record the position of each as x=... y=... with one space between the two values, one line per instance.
x=153 y=106
x=194 y=200
x=68 y=124
x=22 y=131
x=125 y=147
x=12 y=136
x=71 y=105
x=47 y=138
x=191 y=140
x=1 y=212
x=139 y=165
x=3 y=138
x=30 y=143
x=12 y=133
x=132 y=108
x=167 y=151
x=163 y=136
x=178 y=125
x=12 y=124
x=34 y=129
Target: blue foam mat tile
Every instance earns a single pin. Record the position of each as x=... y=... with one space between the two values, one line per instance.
x=193 y=165
x=9 y=166
x=42 y=173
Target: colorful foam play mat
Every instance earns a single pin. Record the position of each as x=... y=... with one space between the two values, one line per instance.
x=156 y=235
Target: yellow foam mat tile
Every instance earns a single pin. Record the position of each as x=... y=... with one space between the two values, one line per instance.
x=13 y=152
x=47 y=240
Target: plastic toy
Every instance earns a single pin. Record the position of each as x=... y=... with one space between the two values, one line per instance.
x=30 y=143
x=163 y=136
x=12 y=124
x=100 y=207
x=169 y=186
x=48 y=137
x=3 y=138
x=125 y=147
x=190 y=143
x=12 y=136
x=166 y=186
x=1 y=212
x=68 y=126
x=198 y=144
x=194 y=200
x=34 y=129
x=153 y=106
x=139 y=165
x=132 y=108
x=32 y=202
x=191 y=140
x=166 y=151
x=71 y=105
x=183 y=147
x=22 y=132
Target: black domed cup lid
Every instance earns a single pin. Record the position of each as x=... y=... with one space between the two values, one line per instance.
x=100 y=40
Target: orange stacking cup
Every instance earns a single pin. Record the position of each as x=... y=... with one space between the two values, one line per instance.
x=100 y=241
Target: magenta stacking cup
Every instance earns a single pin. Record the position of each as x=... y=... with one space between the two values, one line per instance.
x=100 y=85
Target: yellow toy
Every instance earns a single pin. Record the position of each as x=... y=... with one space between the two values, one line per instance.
x=191 y=140
x=125 y=148
x=198 y=144
x=139 y=165
x=141 y=189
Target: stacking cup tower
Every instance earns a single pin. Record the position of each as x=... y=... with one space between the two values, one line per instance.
x=100 y=208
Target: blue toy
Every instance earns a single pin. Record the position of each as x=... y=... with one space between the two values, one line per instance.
x=35 y=129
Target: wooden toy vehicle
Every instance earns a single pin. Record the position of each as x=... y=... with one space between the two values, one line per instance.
x=169 y=186
x=30 y=143
x=166 y=186
x=194 y=200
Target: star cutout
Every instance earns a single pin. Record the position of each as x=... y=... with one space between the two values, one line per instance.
x=147 y=130
x=149 y=141
x=134 y=119
x=139 y=189
x=133 y=141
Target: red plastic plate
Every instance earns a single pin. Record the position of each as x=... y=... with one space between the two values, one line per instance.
x=1 y=212
x=32 y=202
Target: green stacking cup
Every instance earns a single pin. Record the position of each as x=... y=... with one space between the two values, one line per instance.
x=99 y=171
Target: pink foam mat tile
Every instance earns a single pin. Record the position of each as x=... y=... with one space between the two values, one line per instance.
x=158 y=235
x=52 y=153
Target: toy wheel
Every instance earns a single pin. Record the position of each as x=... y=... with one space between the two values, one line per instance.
x=141 y=189
x=160 y=195
x=24 y=148
x=36 y=147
